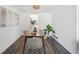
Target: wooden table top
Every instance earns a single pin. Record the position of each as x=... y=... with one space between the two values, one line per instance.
x=34 y=34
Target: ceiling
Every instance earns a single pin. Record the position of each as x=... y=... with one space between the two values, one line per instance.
x=43 y=8
x=29 y=8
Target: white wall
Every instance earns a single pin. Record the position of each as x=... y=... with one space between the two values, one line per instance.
x=77 y=31
x=64 y=22
x=77 y=22
x=8 y=35
x=44 y=19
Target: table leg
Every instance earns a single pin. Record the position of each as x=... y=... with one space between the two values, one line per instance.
x=24 y=44
x=43 y=45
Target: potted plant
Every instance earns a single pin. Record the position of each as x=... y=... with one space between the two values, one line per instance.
x=49 y=29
